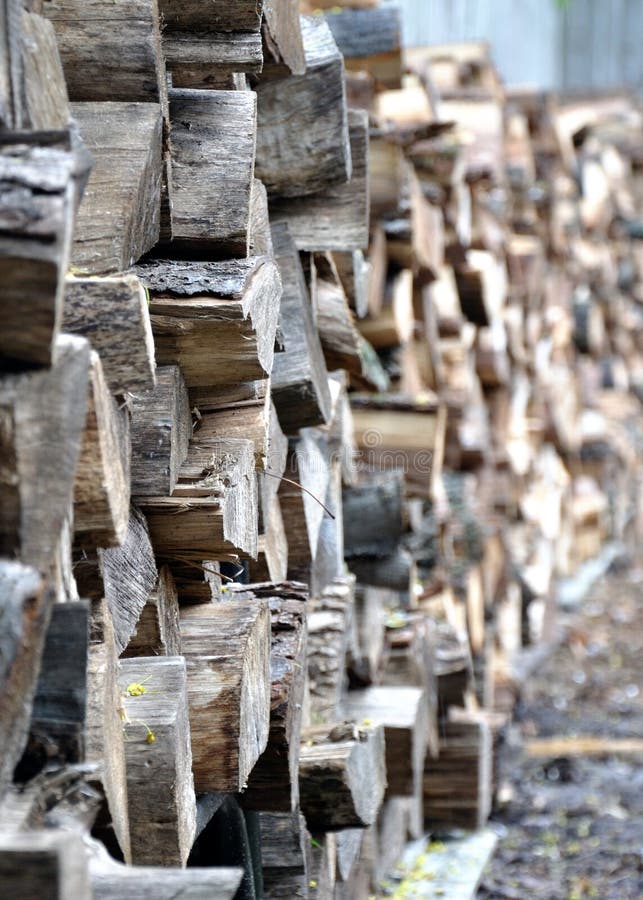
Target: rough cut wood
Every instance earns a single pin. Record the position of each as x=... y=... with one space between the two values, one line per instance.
x=44 y=863
x=160 y=788
x=206 y=59
x=227 y=652
x=217 y=320
x=329 y=554
x=102 y=485
x=273 y=783
x=284 y=855
x=11 y=73
x=192 y=15
x=24 y=612
x=354 y=271
x=212 y=146
x=370 y=40
x=259 y=237
x=283 y=35
x=374 y=514
x=157 y=629
x=336 y=218
x=339 y=337
x=299 y=379
x=36 y=213
x=112 y=314
x=402 y=712
x=342 y=775
x=330 y=631
x=307 y=110
x=41 y=426
x=212 y=513
x=45 y=90
x=250 y=422
x=110 y=51
x=119 y=217
x=160 y=429
x=272 y=546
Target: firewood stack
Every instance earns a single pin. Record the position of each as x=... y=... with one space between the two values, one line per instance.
x=320 y=364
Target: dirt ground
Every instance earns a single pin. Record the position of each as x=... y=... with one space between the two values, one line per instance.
x=571 y=827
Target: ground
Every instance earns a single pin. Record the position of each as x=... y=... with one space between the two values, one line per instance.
x=571 y=826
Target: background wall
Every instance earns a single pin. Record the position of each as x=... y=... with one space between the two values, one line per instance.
x=594 y=43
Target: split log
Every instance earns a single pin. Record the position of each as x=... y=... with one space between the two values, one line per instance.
x=305 y=110
x=336 y=218
x=112 y=314
x=391 y=836
x=330 y=630
x=46 y=102
x=57 y=731
x=453 y=667
x=161 y=428
x=41 y=426
x=273 y=783
x=398 y=572
x=119 y=217
x=457 y=785
x=374 y=514
x=212 y=512
x=11 y=70
x=299 y=379
x=395 y=322
x=259 y=236
x=102 y=485
x=248 y=421
x=227 y=652
x=207 y=59
x=322 y=866
x=482 y=286
x=342 y=775
x=402 y=712
x=192 y=15
x=349 y=842
x=160 y=788
x=284 y=855
x=37 y=197
x=24 y=612
x=354 y=272
x=284 y=38
x=365 y=656
x=216 y=320
x=370 y=40
x=328 y=563
x=272 y=547
x=197 y=581
x=339 y=337
x=44 y=863
x=212 y=146
x=110 y=51
x=157 y=629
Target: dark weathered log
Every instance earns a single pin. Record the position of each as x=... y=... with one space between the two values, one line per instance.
x=212 y=145
x=160 y=788
x=119 y=217
x=45 y=91
x=198 y=581
x=374 y=513
x=41 y=426
x=205 y=59
x=397 y=571
x=192 y=15
x=284 y=38
x=336 y=218
x=112 y=314
x=342 y=775
x=299 y=379
x=110 y=51
x=36 y=199
x=44 y=864
x=161 y=428
x=402 y=712
x=227 y=651
x=157 y=629
x=24 y=612
x=453 y=667
x=212 y=512
x=330 y=627
x=216 y=320
x=273 y=783
x=370 y=40
x=305 y=110
x=365 y=655
x=57 y=732
x=284 y=855
x=102 y=485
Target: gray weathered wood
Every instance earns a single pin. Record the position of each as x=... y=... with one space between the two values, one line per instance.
x=305 y=111
x=41 y=426
x=217 y=320
x=44 y=864
x=157 y=629
x=354 y=271
x=11 y=100
x=102 y=484
x=285 y=855
x=273 y=783
x=342 y=775
x=284 y=38
x=110 y=51
x=161 y=428
x=212 y=146
x=227 y=651
x=36 y=216
x=374 y=514
x=259 y=236
x=328 y=563
x=299 y=379
x=370 y=40
x=205 y=59
x=396 y=571
x=272 y=546
x=336 y=218
x=112 y=314
x=193 y=15
x=160 y=788
x=330 y=630
x=24 y=612
x=247 y=422
x=45 y=90
x=119 y=217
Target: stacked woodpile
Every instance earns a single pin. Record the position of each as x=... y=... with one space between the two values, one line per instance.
x=320 y=364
